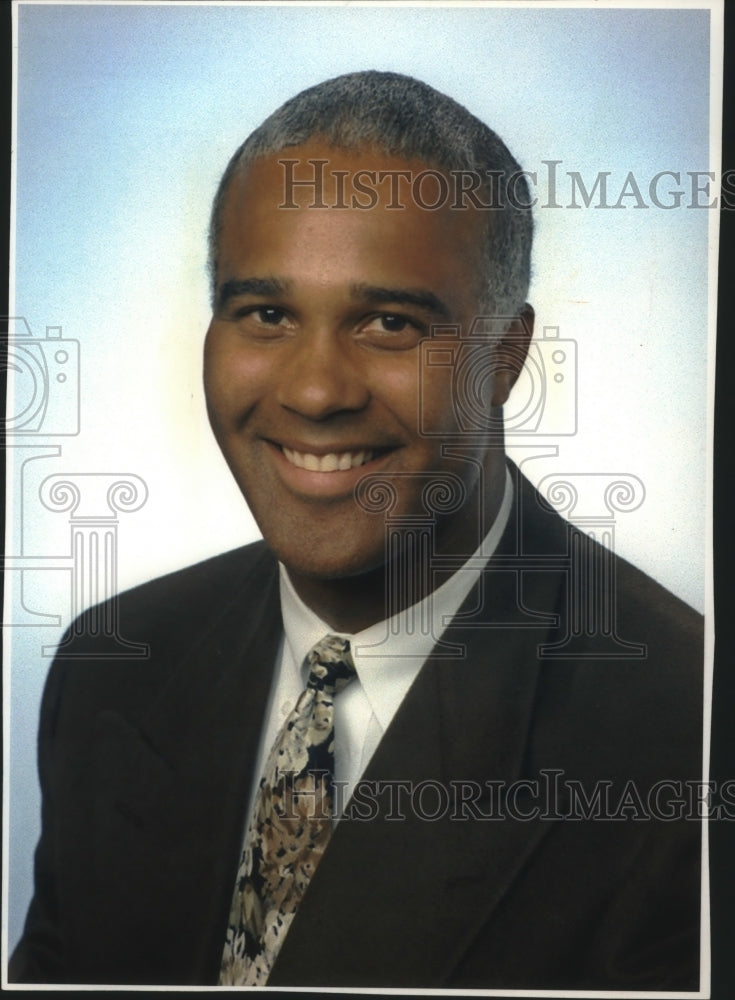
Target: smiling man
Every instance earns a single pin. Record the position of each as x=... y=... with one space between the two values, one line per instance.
x=312 y=368
x=358 y=754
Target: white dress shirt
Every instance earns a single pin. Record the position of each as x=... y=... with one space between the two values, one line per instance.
x=387 y=657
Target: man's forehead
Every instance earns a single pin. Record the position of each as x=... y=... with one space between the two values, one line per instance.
x=318 y=175
x=315 y=212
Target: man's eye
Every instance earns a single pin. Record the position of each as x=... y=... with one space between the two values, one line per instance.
x=262 y=321
x=392 y=323
x=392 y=331
x=268 y=315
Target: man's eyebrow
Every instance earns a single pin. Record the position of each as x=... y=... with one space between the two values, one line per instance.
x=401 y=296
x=249 y=286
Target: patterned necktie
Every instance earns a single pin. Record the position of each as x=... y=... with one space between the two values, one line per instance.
x=291 y=822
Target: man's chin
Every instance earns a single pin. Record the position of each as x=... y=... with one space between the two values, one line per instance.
x=335 y=568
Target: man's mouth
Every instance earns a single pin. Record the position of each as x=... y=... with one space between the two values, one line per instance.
x=331 y=462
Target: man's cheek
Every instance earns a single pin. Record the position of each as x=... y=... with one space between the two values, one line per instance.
x=435 y=404
x=233 y=381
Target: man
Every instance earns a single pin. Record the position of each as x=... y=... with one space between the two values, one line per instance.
x=205 y=819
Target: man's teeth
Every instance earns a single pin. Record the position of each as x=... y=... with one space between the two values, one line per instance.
x=328 y=463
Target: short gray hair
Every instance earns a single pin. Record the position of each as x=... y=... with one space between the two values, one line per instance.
x=403 y=117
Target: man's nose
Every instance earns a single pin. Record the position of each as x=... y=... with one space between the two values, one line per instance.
x=320 y=376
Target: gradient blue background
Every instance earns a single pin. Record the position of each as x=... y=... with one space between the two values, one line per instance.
x=126 y=116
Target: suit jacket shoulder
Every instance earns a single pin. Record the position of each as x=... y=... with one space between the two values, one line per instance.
x=142 y=763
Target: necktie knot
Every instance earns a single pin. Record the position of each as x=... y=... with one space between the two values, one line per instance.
x=330 y=665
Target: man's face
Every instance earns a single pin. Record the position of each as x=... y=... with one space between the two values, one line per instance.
x=312 y=357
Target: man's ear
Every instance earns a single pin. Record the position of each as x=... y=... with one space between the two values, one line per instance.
x=509 y=354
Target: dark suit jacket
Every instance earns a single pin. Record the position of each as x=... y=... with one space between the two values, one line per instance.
x=146 y=768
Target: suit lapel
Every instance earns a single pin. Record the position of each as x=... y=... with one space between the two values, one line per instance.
x=397 y=901
x=180 y=778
